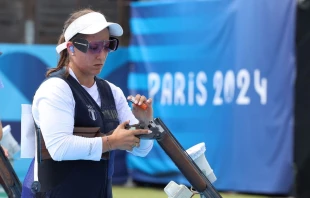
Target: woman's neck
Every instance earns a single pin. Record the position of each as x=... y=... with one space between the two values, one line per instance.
x=84 y=79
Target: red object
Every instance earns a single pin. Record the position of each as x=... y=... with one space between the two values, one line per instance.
x=142 y=106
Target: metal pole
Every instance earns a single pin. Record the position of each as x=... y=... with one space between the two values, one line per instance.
x=29 y=35
x=123 y=18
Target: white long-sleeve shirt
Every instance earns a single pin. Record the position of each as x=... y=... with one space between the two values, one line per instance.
x=53 y=111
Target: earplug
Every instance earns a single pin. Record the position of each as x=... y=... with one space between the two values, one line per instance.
x=71 y=48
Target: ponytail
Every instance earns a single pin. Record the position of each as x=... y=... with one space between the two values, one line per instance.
x=63 y=60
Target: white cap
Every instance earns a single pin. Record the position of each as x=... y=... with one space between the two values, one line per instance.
x=90 y=23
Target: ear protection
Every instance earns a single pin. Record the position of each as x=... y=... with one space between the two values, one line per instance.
x=71 y=48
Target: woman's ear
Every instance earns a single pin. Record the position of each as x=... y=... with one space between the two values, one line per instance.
x=71 y=48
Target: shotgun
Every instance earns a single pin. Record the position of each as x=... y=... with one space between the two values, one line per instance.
x=179 y=156
x=8 y=177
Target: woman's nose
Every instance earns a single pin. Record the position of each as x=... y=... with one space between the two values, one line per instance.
x=103 y=54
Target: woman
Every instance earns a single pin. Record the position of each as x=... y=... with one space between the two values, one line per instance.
x=71 y=97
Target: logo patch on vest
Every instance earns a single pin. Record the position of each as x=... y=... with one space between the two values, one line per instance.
x=91 y=112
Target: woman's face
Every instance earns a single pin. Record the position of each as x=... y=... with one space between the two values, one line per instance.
x=90 y=64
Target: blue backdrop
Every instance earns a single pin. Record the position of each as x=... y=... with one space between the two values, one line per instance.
x=220 y=72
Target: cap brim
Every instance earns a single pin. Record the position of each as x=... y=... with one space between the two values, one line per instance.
x=114 y=28
x=61 y=47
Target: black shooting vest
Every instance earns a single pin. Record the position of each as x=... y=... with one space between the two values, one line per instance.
x=83 y=178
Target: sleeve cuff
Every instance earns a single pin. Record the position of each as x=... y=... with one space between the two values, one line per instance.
x=144 y=149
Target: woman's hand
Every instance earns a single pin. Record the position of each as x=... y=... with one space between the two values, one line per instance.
x=124 y=139
x=143 y=115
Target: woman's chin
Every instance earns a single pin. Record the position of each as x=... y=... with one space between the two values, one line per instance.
x=97 y=70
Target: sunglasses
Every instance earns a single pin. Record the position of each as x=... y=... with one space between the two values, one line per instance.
x=95 y=47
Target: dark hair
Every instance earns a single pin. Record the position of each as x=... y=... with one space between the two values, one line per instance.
x=64 y=57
